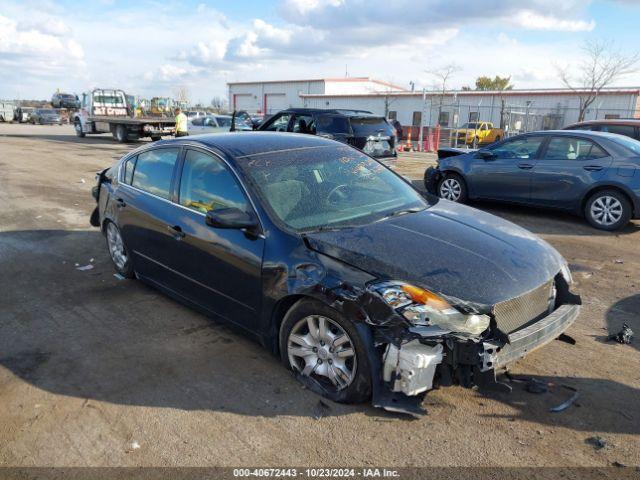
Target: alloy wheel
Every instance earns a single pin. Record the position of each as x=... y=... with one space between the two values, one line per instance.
x=606 y=210
x=320 y=348
x=451 y=189
x=116 y=246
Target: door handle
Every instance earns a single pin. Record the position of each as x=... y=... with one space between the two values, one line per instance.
x=176 y=231
x=120 y=203
x=525 y=166
x=592 y=168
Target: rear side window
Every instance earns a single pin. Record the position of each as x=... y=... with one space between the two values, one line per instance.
x=153 y=171
x=207 y=184
x=567 y=148
x=332 y=124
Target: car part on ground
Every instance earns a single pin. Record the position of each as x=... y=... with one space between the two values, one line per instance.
x=372 y=292
x=591 y=174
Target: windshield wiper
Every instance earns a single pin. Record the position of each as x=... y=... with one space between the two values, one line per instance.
x=398 y=213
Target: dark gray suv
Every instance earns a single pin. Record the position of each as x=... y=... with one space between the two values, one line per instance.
x=593 y=174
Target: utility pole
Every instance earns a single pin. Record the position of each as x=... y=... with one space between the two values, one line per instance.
x=422 y=115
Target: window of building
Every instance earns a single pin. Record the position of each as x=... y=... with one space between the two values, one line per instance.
x=153 y=171
x=611 y=116
x=443 y=119
x=393 y=115
x=474 y=116
x=417 y=118
x=207 y=184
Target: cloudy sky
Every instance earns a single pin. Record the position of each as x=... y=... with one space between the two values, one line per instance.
x=150 y=47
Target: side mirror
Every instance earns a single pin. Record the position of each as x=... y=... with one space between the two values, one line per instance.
x=232 y=218
x=486 y=155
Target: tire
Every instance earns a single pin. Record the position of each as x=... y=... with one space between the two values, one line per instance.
x=118 y=251
x=121 y=134
x=78 y=126
x=497 y=139
x=608 y=210
x=452 y=187
x=352 y=379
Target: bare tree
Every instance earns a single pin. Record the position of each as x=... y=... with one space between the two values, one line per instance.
x=218 y=104
x=442 y=76
x=602 y=66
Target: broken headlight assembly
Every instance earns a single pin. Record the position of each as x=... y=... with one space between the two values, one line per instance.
x=566 y=273
x=422 y=307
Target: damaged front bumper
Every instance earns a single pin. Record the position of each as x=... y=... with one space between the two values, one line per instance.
x=427 y=357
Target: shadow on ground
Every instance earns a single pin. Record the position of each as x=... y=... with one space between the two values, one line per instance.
x=89 y=335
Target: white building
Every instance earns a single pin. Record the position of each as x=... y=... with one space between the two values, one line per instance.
x=516 y=110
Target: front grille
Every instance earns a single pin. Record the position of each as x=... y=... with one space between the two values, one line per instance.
x=521 y=311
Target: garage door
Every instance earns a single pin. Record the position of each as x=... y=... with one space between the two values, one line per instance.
x=274 y=102
x=245 y=101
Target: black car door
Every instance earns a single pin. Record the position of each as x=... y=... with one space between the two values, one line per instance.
x=222 y=267
x=147 y=217
x=567 y=168
x=504 y=171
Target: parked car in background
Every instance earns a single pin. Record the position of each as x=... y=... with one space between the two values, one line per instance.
x=628 y=127
x=593 y=174
x=214 y=124
x=65 y=100
x=42 y=116
x=23 y=114
x=7 y=112
x=477 y=133
x=363 y=287
x=370 y=133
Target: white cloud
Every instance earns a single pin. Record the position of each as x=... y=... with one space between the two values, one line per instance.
x=535 y=21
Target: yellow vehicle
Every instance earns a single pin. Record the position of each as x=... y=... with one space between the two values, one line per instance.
x=477 y=133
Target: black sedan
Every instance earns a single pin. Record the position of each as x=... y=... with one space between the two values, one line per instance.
x=587 y=173
x=362 y=286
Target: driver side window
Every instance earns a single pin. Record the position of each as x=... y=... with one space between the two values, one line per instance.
x=521 y=148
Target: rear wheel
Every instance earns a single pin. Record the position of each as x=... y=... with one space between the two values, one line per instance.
x=118 y=251
x=608 y=210
x=121 y=134
x=452 y=187
x=325 y=348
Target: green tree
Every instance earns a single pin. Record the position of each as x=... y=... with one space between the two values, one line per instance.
x=497 y=83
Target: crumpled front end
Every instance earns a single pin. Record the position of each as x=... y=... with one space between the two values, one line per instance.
x=417 y=356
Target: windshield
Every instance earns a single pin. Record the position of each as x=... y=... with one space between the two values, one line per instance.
x=629 y=144
x=471 y=126
x=365 y=126
x=327 y=187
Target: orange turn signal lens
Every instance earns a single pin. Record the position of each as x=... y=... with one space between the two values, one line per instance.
x=425 y=297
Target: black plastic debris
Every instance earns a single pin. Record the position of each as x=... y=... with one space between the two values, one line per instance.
x=597 y=442
x=567 y=403
x=623 y=336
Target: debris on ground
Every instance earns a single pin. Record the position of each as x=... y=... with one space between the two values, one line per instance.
x=84 y=267
x=623 y=336
x=597 y=442
x=566 y=404
x=618 y=464
x=118 y=276
x=536 y=386
x=321 y=410
x=82 y=180
x=132 y=446
x=618 y=261
x=567 y=339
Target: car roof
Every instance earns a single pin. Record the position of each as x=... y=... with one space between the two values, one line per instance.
x=333 y=111
x=612 y=121
x=243 y=144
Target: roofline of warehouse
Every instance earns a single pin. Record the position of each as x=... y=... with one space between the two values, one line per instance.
x=540 y=91
x=345 y=79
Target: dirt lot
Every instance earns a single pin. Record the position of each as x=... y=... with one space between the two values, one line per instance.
x=99 y=371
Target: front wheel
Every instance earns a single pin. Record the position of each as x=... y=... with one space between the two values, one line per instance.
x=118 y=251
x=78 y=126
x=452 y=187
x=326 y=351
x=608 y=210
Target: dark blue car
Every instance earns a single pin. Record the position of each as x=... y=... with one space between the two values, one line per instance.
x=593 y=174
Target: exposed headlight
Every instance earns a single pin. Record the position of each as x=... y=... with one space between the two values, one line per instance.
x=422 y=307
x=566 y=273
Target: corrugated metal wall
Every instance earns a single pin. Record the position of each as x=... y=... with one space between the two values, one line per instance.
x=253 y=94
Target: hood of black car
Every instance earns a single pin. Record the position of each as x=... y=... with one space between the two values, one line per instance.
x=447 y=248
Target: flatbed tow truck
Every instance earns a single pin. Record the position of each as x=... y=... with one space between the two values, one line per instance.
x=108 y=111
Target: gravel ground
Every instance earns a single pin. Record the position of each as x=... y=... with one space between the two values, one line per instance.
x=96 y=371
